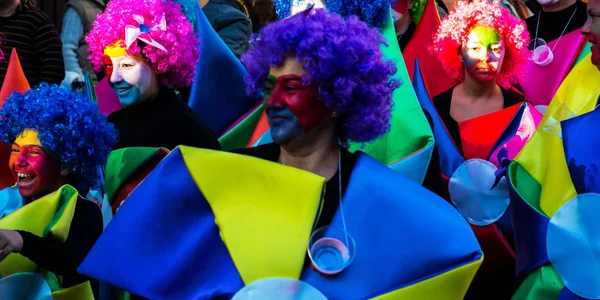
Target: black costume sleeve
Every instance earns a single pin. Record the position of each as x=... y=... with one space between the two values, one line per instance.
x=64 y=258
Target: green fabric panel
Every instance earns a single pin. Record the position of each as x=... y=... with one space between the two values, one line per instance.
x=409 y=130
x=67 y=194
x=541 y=284
x=525 y=185
x=51 y=279
x=122 y=164
x=585 y=52
x=239 y=136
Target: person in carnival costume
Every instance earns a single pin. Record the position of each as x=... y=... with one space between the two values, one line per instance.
x=148 y=48
x=480 y=126
x=245 y=223
x=59 y=139
x=554 y=188
x=557 y=45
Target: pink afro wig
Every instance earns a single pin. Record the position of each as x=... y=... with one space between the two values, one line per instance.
x=455 y=28
x=174 y=67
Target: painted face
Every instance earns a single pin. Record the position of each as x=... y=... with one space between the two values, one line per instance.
x=36 y=171
x=292 y=108
x=592 y=30
x=483 y=53
x=302 y=5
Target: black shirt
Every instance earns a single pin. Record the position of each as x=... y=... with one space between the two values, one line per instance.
x=552 y=24
x=405 y=37
x=442 y=105
x=164 y=121
x=331 y=201
x=61 y=258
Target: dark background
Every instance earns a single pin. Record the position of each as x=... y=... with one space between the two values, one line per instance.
x=55 y=9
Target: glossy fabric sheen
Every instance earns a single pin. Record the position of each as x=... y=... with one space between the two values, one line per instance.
x=408 y=146
x=434 y=74
x=51 y=214
x=218 y=94
x=383 y=263
x=471 y=192
x=581 y=140
x=543 y=157
x=450 y=157
x=540 y=83
x=573 y=239
x=214 y=243
x=530 y=225
x=146 y=222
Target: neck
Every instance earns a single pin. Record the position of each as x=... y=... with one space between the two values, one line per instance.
x=10 y=9
x=478 y=90
x=402 y=25
x=558 y=6
x=319 y=157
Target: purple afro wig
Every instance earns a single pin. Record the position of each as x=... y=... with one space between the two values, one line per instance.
x=342 y=56
x=455 y=29
x=176 y=66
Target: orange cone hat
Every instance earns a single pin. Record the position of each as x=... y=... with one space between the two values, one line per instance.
x=13 y=81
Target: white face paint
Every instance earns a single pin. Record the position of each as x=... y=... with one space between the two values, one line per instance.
x=133 y=80
x=302 y=5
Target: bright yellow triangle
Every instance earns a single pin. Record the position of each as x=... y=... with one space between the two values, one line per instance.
x=543 y=156
x=451 y=285
x=52 y=213
x=267 y=215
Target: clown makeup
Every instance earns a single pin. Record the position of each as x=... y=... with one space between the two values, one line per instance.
x=292 y=108
x=592 y=30
x=131 y=78
x=483 y=53
x=36 y=171
x=302 y=5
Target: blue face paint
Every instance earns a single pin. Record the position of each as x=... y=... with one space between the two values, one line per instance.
x=128 y=94
x=285 y=126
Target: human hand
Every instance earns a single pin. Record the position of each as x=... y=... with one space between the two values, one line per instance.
x=10 y=241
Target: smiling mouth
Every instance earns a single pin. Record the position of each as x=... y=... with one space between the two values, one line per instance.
x=122 y=90
x=25 y=179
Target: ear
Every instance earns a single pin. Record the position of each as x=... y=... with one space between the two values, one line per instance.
x=65 y=172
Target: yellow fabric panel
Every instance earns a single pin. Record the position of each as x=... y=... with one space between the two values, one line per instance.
x=543 y=156
x=451 y=285
x=62 y=222
x=35 y=217
x=82 y=291
x=266 y=221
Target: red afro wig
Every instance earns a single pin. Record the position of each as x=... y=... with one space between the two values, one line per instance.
x=455 y=28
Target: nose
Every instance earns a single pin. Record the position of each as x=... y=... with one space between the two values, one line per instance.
x=276 y=98
x=116 y=75
x=586 y=29
x=22 y=160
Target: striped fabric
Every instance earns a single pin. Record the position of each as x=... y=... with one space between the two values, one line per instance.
x=33 y=34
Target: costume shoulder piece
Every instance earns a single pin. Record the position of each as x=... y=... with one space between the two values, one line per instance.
x=224 y=233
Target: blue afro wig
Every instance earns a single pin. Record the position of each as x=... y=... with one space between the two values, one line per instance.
x=372 y=12
x=68 y=124
x=343 y=57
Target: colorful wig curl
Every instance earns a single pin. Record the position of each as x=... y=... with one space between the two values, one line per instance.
x=176 y=66
x=342 y=56
x=455 y=28
x=372 y=12
x=68 y=124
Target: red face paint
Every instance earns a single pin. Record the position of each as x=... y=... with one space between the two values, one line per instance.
x=37 y=173
x=302 y=100
x=401 y=6
x=108 y=66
